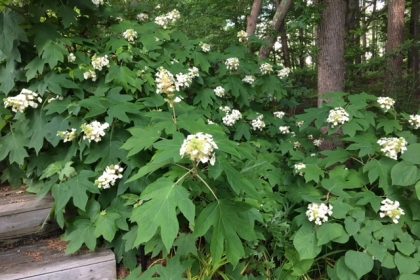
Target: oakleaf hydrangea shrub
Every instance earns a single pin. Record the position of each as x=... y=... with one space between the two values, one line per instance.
x=162 y=147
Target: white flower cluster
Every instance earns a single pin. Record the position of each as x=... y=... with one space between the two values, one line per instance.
x=67 y=135
x=99 y=62
x=338 y=116
x=205 y=47
x=391 y=209
x=94 y=131
x=232 y=63
x=414 y=121
x=266 y=68
x=142 y=17
x=109 y=177
x=300 y=123
x=26 y=98
x=249 y=79
x=71 y=57
x=57 y=97
x=258 y=123
x=284 y=129
x=130 y=35
x=296 y=145
x=283 y=73
x=168 y=19
x=279 y=114
x=391 y=146
x=225 y=109
x=386 y=103
x=319 y=213
x=185 y=80
x=242 y=36
x=199 y=147
x=231 y=117
x=298 y=167
x=317 y=142
x=219 y=91
x=98 y=3
x=165 y=81
x=90 y=74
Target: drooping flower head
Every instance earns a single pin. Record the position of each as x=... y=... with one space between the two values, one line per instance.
x=242 y=36
x=232 y=117
x=130 y=35
x=232 y=63
x=71 y=57
x=199 y=147
x=392 y=146
x=283 y=73
x=279 y=114
x=219 y=91
x=258 y=123
x=205 y=47
x=299 y=167
x=94 y=131
x=142 y=17
x=386 y=103
x=249 y=79
x=319 y=212
x=165 y=82
x=90 y=74
x=414 y=121
x=168 y=19
x=391 y=209
x=109 y=177
x=266 y=68
x=26 y=98
x=67 y=135
x=99 y=62
x=284 y=129
x=338 y=116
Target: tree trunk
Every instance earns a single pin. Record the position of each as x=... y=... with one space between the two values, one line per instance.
x=278 y=20
x=331 y=66
x=415 y=51
x=285 y=46
x=374 y=36
x=395 y=33
x=253 y=17
x=352 y=24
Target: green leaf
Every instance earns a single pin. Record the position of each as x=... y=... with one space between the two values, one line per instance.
x=329 y=232
x=409 y=277
x=406 y=264
x=417 y=187
x=142 y=138
x=122 y=75
x=230 y=221
x=412 y=154
x=358 y=262
x=313 y=172
x=163 y=198
x=13 y=145
x=404 y=174
x=52 y=53
x=334 y=157
x=105 y=225
x=305 y=242
x=81 y=232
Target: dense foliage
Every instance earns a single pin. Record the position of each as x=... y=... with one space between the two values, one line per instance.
x=118 y=118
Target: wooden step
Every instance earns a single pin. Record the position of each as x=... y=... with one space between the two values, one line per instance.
x=46 y=260
x=22 y=214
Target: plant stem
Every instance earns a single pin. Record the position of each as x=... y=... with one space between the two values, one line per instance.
x=207 y=185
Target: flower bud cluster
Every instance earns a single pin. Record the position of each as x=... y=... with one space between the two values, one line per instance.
x=71 y=58
x=258 y=123
x=266 y=68
x=94 y=131
x=185 y=80
x=284 y=129
x=109 y=177
x=142 y=17
x=205 y=47
x=199 y=147
x=249 y=79
x=414 y=121
x=283 y=73
x=67 y=135
x=165 y=82
x=391 y=146
x=90 y=74
x=26 y=98
x=279 y=114
x=299 y=167
x=338 y=116
x=130 y=35
x=242 y=36
x=386 y=103
x=232 y=63
x=317 y=142
x=99 y=62
x=219 y=91
x=168 y=19
x=98 y=3
x=319 y=212
x=231 y=117
x=391 y=209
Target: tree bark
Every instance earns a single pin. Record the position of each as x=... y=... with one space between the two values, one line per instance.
x=415 y=51
x=331 y=65
x=352 y=24
x=285 y=46
x=253 y=17
x=395 y=33
x=278 y=20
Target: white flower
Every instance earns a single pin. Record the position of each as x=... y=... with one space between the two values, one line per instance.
x=90 y=74
x=391 y=146
x=242 y=36
x=317 y=142
x=71 y=57
x=277 y=45
x=26 y=98
x=168 y=19
x=258 y=123
x=99 y=62
x=337 y=116
x=199 y=147
x=232 y=117
x=279 y=114
x=249 y=79
x=205 y=47
x=193 y=72
x=98 y=3
x=185 y=80
x=219 y=91
x=94 y=131
x=142 y=17
x=67 y=135
x=171 y=101
x=391 y=209
x=284 y=129
x=283 y=72
x=130 y=35
x=165 y=81
x=232 y=63
x=300 y=123
x=318 y=213
x=386 y=103
x=414 y=121
x=109 y=177
x=57 y=97
x=225 y=109
x=296 y=145
x=266 y=68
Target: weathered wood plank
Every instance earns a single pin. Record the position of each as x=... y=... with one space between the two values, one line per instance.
x=44 y=261
x=22 y=214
